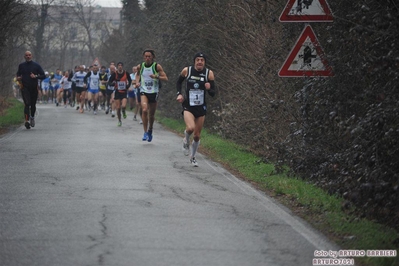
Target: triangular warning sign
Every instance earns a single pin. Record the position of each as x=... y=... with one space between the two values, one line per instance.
x=306 y=58
x=96 y=62
x=306 y=11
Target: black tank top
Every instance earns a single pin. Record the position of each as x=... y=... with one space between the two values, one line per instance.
x=195 y=87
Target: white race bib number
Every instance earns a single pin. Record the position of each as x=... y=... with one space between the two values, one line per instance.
x=149 y=84
x=196 y=97
x=121 y=85
x=95 y=83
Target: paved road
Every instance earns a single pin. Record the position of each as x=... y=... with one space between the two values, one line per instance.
x=78 y=190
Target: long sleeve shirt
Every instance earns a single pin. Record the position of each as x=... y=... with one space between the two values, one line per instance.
x=25 y=69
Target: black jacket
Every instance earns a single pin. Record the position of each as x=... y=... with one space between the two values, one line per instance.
x=25 y=69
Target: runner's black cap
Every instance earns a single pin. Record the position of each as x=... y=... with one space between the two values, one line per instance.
x=200 y=54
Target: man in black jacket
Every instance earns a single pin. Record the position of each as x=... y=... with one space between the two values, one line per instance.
x=28 y=75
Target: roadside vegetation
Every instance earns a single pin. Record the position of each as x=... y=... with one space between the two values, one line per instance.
x=339 y=133
x=11 y=113
x=330 y=214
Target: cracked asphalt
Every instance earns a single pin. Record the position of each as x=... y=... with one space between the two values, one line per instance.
x=78 y=190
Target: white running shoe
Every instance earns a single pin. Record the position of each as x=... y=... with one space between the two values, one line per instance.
x=194 y=162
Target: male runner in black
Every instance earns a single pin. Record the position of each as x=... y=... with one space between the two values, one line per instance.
x=28 y=75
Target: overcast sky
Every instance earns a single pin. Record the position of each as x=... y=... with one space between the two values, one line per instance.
x=109 y=3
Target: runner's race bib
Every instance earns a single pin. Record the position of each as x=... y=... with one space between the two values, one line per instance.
x=149 y=85
x=95 y=83
x=196 y=97
x=121 y=85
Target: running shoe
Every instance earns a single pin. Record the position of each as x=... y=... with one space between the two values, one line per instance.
x=194 y=162
x=145 y=137
x=107 y=111
x=141 y=122
x=113 y=114
x=27 y=125
x=149 y=134
x=186 y=147
x=95 y=112
x=32 y=121
x=119 y=123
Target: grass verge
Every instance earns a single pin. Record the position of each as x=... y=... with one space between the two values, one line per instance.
x=309 y=202
x=11 y=113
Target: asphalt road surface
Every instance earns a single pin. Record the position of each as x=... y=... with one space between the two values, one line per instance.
x=78 y=190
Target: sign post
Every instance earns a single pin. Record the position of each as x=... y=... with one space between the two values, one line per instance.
x=96 y=62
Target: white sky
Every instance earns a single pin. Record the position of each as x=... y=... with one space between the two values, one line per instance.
x=109 y=3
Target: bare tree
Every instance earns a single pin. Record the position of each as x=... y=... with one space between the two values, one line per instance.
x=89 y=19
x=11 y=25
x=42 y=17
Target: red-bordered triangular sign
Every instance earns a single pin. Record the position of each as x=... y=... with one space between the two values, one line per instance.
x=96 y=62
x=306 y=11
x=306 y=58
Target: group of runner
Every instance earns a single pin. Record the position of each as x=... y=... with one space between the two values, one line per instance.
x=88 y=89
x=113 y=88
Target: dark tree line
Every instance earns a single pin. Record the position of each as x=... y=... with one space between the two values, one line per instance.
x=11 y=26
x=346 y=139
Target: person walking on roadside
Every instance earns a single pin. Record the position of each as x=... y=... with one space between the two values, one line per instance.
x=29 y=72
x=122 y=81
x=15 y=88
x=199 y=80
x=148 y=75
